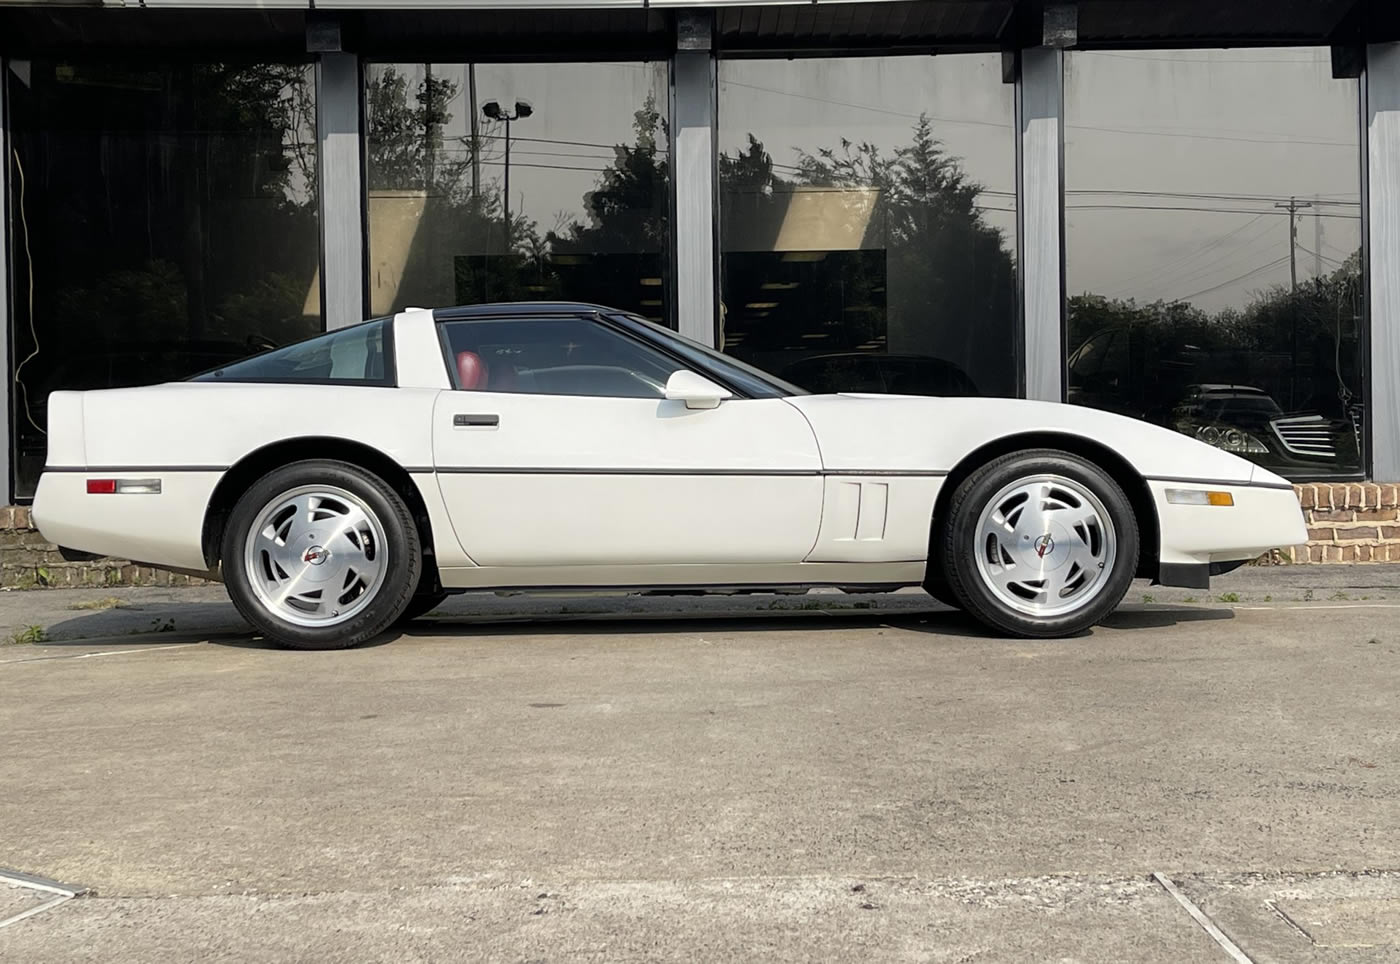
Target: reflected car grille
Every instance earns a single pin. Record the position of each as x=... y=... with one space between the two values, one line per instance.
x=1306 y=436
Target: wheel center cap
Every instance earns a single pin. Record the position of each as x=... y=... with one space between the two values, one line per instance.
x=316 y=555
x=1046 y=550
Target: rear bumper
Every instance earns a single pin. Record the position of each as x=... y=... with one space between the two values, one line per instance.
x=159 y=530
x=1197 y=542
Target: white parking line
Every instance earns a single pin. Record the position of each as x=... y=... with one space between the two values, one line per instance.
x=36 y=909
x=15 y=878
x=109 y=652
x=1332 y=606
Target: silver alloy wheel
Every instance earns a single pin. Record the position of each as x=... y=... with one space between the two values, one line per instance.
x=1045 y=545
x=316 y=556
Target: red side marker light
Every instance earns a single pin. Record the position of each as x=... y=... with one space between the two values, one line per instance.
x=102 y=486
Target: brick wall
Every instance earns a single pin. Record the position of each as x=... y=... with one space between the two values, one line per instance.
x=1356 y=522
x=1347 y=523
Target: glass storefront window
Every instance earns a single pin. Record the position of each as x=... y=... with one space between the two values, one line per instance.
x=1213 y=249
x=518 y=182
x=163 y=222
x=868 y=222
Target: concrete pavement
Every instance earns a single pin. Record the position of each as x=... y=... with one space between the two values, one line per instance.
x=60 y=615
x=797 y=785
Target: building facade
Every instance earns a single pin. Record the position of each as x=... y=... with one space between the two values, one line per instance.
x=1185 y=211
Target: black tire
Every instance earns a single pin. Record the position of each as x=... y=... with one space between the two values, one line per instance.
x=392 y=590
x=942 y=594
x=935 y=580
x=419 y=606
x=960 y=542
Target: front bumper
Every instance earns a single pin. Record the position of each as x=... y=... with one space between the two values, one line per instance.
x=1200 y=541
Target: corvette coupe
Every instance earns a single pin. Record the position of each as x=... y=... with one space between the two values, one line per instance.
x=346 y=483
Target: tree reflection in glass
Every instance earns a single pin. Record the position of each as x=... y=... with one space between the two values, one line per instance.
x=878 y=254
x=588 y=215
x=1213 y=233
x=165 y=221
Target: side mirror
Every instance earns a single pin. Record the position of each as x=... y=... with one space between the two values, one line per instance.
x=696 y=391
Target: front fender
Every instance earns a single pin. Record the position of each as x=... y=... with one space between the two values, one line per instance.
x=902 y=433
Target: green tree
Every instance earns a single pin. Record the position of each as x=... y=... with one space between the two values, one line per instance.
x=1298 y=345
x=461 y=250
x=931 y=273
x=405 y=146
x=626 y=234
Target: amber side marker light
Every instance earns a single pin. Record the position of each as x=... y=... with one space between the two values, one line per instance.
x=1199 y=497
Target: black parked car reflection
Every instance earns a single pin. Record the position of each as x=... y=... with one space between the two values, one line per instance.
x=1117 y=370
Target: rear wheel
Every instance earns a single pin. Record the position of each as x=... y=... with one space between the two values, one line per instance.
x=321 y=555
x=1039 y=543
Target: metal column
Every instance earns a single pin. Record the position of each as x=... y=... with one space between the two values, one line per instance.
x=1382 y=102
x=7 y=449
x=1040 y=103
x=693 y=173
x=341 y=189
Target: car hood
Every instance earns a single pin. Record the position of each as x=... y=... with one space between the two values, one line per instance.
x=899 y=432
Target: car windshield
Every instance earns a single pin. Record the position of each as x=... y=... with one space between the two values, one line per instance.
x=754 y=382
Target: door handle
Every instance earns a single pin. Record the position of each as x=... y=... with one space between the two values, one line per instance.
x=475 y=421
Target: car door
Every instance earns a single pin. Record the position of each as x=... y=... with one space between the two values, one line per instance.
x=557 y=447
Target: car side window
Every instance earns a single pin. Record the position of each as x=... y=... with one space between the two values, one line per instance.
x=552 y=356
x=360 y=355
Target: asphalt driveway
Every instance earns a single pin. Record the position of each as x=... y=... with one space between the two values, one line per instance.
x=777 y=780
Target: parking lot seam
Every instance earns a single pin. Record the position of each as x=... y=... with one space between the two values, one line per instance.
x=1292 y=924
x=1200 y=917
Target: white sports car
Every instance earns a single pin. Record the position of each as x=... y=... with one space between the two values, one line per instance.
x=346 y=483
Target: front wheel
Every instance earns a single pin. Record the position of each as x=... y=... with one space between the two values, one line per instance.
x=1040 y=543
x=321 y=555
x=420 y=606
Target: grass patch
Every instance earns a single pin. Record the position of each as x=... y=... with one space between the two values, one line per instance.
x=27 y=636
x=1147 y=597
x=1229 y=597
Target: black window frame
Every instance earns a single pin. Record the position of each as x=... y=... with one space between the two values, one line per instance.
x=706 y=360
x=391 y=366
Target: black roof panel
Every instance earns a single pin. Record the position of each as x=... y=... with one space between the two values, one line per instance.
x=519 y=309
